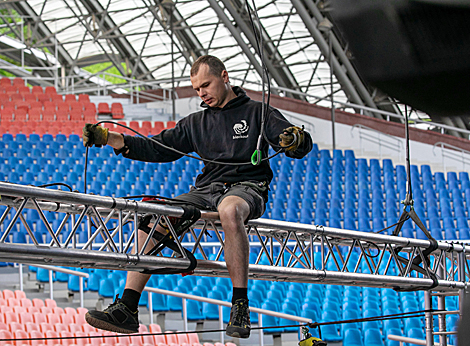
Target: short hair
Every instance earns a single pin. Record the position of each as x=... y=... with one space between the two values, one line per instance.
x=216 y=66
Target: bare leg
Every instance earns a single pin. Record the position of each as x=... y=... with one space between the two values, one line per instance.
x=233 y=211
x=135 y=280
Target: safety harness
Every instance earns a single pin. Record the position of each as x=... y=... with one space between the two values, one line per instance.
x=180 y=226
x=415 y=262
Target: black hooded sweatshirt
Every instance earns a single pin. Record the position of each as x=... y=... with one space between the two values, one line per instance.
x=227 y=134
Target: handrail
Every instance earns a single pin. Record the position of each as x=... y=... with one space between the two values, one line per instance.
x=451 y=154
x=377 y=140
x=220 y=303
x=408 y=340
x=81 y=276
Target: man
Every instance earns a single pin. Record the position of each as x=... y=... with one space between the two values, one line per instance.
x=227 y=131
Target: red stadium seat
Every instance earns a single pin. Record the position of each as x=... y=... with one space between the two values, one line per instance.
x=85 y=98
x=20 y=310
x=5 y=334
x=44 y=98
x=35 y=104
x=90 y=106
x=11 y=317
x=62 y=115
x=6 y=114
x=51 y=90
x=117 y=111
x=50 y=303
x=35 y=114
x=18 y=82
x=24 y=90
x=103 y=108
x=147 y=339
x=80 y=319
x=89 y=116
x=170 y=124
x=39 y=318
x=16 y=97
x=52 y=334
x=21 y=334
x=134 y=125
x=146 y=127
x=32 y=309
x=14 y=326
x=35 y=334
x=73 y=328
x=193 y=338
x=76 y=115
x=20 y=114
x=5 y=82
x=81 y=341
x=56 y=98
x=48 y=114
x=67 y=319
x=24 y=302
x=45 y=310
x=65 y=338
x=4 y=98
x=171 y=338
x=158 y=127
x=58 y=310
x=70 y=311
x=96 y=338
x=37 y=89
x=59 y=328
x=70 y=97
x=30 y=98
x=52 y=318
x=26 y=318
x=30 y=326
x=88 y=329
x=136 y=340
x=8 y=294
x=10 y=90
x=44 y=327
x=110 y=338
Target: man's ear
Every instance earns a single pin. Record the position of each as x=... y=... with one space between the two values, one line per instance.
x=225 y=76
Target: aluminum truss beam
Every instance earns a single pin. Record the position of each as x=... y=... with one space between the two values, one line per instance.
x=287 y=251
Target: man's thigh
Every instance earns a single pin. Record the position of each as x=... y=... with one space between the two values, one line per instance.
x=252 y=197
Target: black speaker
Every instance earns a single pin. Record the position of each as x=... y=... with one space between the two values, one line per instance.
x=416 y=51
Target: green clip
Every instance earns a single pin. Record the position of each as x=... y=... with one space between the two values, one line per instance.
x=256 y=157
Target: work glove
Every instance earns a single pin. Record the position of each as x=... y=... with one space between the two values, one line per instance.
x=94 y=134
x=291 y=138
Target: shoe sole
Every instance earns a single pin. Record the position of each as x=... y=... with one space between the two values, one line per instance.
x=106 y=325
x=236 y=334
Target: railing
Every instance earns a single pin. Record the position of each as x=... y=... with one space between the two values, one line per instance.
x=453 y=153
x=52 y=269
x=404 y=339
x=220 y=303
x=381 y=139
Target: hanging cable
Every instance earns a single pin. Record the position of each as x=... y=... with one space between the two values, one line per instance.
x=183 y=153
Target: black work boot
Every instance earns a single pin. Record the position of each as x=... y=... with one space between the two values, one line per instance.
x=115 y=318
x=239 y=325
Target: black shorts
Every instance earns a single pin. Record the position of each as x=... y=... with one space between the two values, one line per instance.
x=209 y=197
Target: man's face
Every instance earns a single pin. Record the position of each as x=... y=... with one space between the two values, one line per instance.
x=213 y=90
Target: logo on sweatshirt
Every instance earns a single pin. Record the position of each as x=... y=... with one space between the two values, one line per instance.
x=240 y=129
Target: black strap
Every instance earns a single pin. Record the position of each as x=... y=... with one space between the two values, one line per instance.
x=417 y=260
x=181 y=226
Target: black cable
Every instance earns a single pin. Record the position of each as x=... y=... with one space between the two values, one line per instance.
x=311 y=325
x=85 y=169
x=57 y=184
x=182 y=153
x=409 y=197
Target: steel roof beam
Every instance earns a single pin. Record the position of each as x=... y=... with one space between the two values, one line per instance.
x=282 y=75
x=121 y=44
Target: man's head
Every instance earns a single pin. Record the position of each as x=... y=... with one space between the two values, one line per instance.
x=211 y=82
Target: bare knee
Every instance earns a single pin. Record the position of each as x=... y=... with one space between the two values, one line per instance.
x=233 y=212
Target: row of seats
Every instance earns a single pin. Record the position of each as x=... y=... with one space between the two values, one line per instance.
x=20 y=320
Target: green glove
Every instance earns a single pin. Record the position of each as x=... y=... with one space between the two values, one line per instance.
x=291 y=138
x=94 y=134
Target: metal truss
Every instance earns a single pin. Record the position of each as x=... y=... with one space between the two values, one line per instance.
x=285 y=251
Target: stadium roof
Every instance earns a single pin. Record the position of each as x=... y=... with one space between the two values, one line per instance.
x=136 y=37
